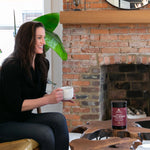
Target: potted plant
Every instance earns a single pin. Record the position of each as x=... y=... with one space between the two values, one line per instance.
x=50 y=22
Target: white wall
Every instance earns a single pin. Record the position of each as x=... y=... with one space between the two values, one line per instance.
x=55 y=72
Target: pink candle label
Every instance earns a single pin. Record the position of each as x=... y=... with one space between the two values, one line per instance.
x=119 y=116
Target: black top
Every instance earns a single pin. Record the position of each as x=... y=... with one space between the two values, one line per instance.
x=15 y=87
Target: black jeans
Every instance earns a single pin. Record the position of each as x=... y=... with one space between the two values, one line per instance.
x=48 y=129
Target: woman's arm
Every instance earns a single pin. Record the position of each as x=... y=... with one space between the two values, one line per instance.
x=55 y=97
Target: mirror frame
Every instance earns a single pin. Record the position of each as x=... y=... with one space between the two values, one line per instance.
x=132 y=5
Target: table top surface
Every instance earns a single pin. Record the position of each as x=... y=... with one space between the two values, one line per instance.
x=137 y=129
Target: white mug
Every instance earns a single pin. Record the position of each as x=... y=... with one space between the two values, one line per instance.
x=68 y=92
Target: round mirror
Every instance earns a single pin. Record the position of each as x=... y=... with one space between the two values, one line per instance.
x=128 y=4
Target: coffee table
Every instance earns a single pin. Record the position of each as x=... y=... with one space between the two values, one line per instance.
x=137 y=129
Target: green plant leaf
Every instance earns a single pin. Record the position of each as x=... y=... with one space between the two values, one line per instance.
x=50 y=21
x=53 y=41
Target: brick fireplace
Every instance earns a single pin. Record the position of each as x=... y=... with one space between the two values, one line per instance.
x=98 y=54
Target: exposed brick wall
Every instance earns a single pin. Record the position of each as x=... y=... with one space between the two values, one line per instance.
x=91 y=46
x=90 y=5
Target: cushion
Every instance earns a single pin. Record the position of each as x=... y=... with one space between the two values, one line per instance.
x=23 y=144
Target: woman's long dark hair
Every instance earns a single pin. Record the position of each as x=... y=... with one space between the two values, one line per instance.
x=24 y=49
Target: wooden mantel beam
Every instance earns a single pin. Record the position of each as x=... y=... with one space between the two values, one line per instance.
x=105 y=17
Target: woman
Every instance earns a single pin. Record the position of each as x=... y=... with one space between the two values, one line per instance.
x=22 y=88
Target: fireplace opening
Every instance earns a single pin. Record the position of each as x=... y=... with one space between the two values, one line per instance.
x=130 y=82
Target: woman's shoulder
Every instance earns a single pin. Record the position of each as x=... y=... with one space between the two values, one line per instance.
x=11 y=64
x=46 y=62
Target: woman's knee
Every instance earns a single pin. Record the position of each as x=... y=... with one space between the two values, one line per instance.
x=60 y=117
x=45 y=137
x=45 y=132
x=60 y=120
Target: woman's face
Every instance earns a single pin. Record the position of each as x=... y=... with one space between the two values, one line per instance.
x=40 y=40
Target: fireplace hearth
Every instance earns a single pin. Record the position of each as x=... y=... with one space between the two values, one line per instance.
x=130 y=82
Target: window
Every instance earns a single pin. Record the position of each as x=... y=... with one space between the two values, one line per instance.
x=25 y=10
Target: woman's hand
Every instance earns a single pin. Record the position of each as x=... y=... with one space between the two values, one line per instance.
x=71 y=101
x=55 y=96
